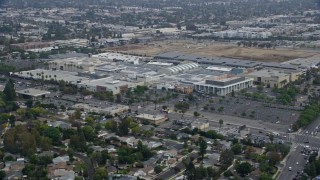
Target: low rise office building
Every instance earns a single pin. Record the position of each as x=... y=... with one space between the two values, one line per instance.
x=32 y=93
x=153 y=119
x=199 y=125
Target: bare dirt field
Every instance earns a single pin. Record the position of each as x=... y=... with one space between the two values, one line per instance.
x=215 y=49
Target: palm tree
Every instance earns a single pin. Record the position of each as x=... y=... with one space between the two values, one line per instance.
x=271 y=137
x=155 y=102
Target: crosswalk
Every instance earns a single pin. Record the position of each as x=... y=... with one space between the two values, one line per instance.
x=310 y=147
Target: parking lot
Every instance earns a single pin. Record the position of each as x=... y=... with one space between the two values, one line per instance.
x=250 y=109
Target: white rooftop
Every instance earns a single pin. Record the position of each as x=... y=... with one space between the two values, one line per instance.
x=217 y=68
x=151 y=117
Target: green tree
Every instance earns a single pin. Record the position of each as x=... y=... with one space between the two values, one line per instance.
x=265 y=176
x=260 y=88
x=237 y=148
x=220 y=122
x=124 y=127
x=243 y=168
x=213 y=172
x=104 y=156
x=46 y=143
x=12 y=120
x=19 y=140
x=118 y=98
x=77 y=143
x=77 y=114
x=274 y=158
x=190 y=172
x=158 y=169
x=311 y=170
x=89 y=120
x=29 y=103
x=54 y=134
x=182 y=107
x=226 y=158
x=201 y=172
x=100 y=174
x=203 y=147
x=9 y=91
x=2 y=174
x=89 y=133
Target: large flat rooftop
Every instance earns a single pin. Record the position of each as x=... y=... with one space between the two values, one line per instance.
x=33 y=92
x=67 y=76
x=269 y=73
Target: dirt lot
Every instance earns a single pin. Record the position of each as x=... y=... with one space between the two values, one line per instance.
x=214 y=49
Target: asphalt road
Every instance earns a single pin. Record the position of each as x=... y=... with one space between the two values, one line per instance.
x=180 y=165
x=296 y=161
x=313 y=128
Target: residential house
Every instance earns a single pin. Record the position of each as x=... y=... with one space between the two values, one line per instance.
x=13 y=169
x=183 y=136
x=144 y=172
x=97 y=148
x=152 y=144
x=212 y=159
x=60 y=159
x=61 y=171
x=225 y=145
x=131 y=141
x=111 y=149
x=60 y=124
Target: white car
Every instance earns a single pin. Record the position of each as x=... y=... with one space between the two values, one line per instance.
x=297 y=163
x=290 y=168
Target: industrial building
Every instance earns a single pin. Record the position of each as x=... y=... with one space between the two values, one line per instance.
x=222 y=87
